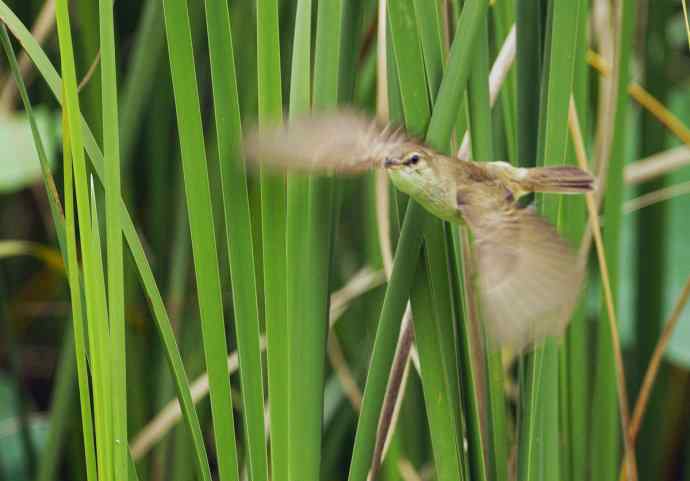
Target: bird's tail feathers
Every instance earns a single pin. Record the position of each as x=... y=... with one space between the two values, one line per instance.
x=564 y=179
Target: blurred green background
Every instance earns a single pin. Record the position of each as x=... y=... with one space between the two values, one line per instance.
x=225 y=258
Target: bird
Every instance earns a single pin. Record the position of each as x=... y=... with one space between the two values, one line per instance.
x=527 y=275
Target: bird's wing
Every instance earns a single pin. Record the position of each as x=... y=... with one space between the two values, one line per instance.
x=344 y=141
x=464 y=172
x=527 y=274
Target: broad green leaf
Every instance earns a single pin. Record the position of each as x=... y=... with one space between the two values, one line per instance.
x=20 y=164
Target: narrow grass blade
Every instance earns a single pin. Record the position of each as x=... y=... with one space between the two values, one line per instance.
x=298 y=256
x=240 y=243
x=447 y=102
x=94 y=283
x=470 y=345
x=308 y=332
x=148 y=43
x=115 y=269
x=86 y=44
x=431 y=305
x=98 y=338
x=397 y=293
x=652 y=226
x=428 y=20
x=273 y=218
x=605 y=447
x=529 y=63
x=575 y=373
x=146 y=274
x=504 y=19
x=409 y=64
x=543 y=454
x=63 y=392
x=78 y=323
x=200 y=211
x=483 y=149
x=442 y=409
x=652 y=221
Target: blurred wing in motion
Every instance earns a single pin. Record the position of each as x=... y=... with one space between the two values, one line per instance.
x=528 y=277
x=344 y=142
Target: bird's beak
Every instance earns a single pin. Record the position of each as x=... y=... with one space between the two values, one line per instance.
x=388 y=163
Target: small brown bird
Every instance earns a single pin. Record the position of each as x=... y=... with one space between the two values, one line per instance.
x=527 y=275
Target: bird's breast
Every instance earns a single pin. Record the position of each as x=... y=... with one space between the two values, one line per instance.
x=435 y=195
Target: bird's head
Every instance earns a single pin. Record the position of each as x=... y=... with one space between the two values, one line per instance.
x=408 y=166
x=408 y=157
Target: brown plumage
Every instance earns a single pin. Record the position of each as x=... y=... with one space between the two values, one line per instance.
x=345 y=142
x=527 y=275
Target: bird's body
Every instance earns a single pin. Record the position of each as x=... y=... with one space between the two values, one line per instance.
x=526 y=273
x=444 y=185
x=435 y=185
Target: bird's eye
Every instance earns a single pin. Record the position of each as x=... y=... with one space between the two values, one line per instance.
x=414 y=158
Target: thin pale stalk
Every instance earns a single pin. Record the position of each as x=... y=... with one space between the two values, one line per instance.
x=653 y=368
x=657 y=164
x=499 y=73
x=171 y=413
x=656 y=196
x=604 y=449
x=41 y=29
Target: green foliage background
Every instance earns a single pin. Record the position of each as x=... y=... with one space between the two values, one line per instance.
x=137 y=252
